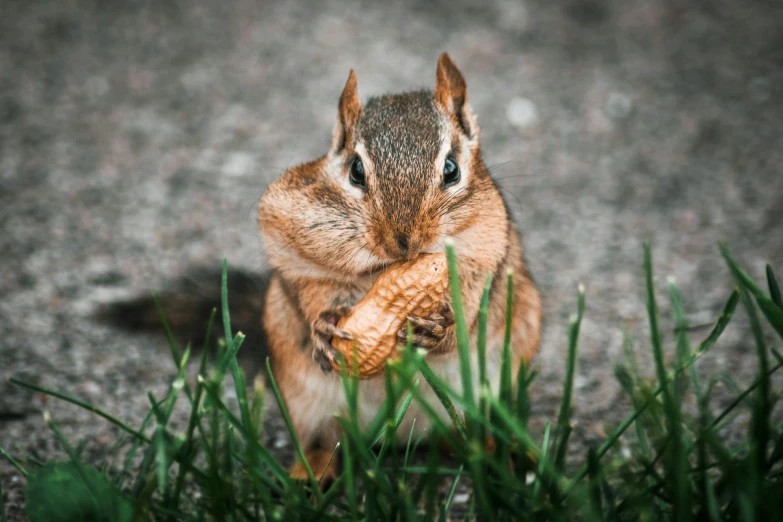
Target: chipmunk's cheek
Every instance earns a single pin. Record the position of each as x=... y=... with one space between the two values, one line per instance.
x=446 y=228
x=436 y=244
x=368 y=263
x=428 y=242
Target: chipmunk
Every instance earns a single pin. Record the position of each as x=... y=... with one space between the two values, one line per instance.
x=403 y=174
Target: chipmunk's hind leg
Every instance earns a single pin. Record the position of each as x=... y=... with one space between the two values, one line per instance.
x=324 y=464
x=323 y=456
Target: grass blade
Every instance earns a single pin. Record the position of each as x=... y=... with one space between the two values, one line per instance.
x=522 y=413
x=194 y=414
x=13 y=462
x=224 y=301
x=742 y=396
x=573 y=341
x=438 y=388
x=176 y=356
x=408 y=449
x=505 y=365
x=447 y=504
x=405 y=376
x=706 y=487
x=290 y=425
x=562 y=446
x=680 y=483
x=236 y=372
x=542 y=465
x=431 y=483
x=523 y=399
x=503 y=449
x=563 y=430
x=460 y=324
x=761 y=409
x=594 y=472
x=481 y=346
x=162 y=417
x=389 y=446
x=481 y=339
x=739 y=274
x=83 y=404
x=683 y=344
x=774 y=289
x=350 y=479
x=772 y=311
x=401 y=411
x=161 y=457
x=328 y=463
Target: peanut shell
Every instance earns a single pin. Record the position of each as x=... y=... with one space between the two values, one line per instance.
x=414 y=287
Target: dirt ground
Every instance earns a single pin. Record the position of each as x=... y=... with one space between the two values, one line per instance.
x=137 y=137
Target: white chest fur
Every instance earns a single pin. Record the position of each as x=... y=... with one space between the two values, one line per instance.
x=330 y=397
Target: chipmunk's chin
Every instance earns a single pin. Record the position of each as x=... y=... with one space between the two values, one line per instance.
x=380 y=266
x=379 y=263
x=375 y=268
x=435 y=248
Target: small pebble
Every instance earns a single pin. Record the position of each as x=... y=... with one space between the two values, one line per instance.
x=198 y=77
x=618 y=106
x=522 y=113
x=237 y=164
x=90 y=388
x=514 y=16
x=461 y=498
x=704 y=317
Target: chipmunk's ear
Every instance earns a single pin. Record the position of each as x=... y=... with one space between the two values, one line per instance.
x=348 y=114
x=451 y=93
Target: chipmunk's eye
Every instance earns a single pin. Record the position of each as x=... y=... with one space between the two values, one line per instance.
x=450 y=172
x=357 y=173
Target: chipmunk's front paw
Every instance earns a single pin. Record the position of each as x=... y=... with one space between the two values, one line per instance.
x=428 y=331
x=322 y=330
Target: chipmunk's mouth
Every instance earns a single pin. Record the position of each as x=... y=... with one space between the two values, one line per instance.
x=375 y=268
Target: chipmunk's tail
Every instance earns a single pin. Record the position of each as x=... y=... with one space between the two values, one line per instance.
x=187 y=304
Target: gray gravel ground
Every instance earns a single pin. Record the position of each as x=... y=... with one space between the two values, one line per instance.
x=136 y=138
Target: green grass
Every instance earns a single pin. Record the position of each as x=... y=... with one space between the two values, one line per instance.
x=667 y=460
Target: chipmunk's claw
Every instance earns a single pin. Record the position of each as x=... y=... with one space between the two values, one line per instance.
x=428 y=332
x=322 y=330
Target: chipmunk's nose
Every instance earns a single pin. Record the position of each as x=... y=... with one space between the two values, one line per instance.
x=402 y=243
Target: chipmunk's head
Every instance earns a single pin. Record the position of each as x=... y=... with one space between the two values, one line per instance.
x=411 y=164
x=404 y=172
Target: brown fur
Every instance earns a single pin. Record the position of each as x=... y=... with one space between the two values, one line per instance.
x=329 y=240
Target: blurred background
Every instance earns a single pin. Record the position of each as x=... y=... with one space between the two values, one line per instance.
x=136 y=138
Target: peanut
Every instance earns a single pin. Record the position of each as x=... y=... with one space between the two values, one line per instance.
x=414 y=287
